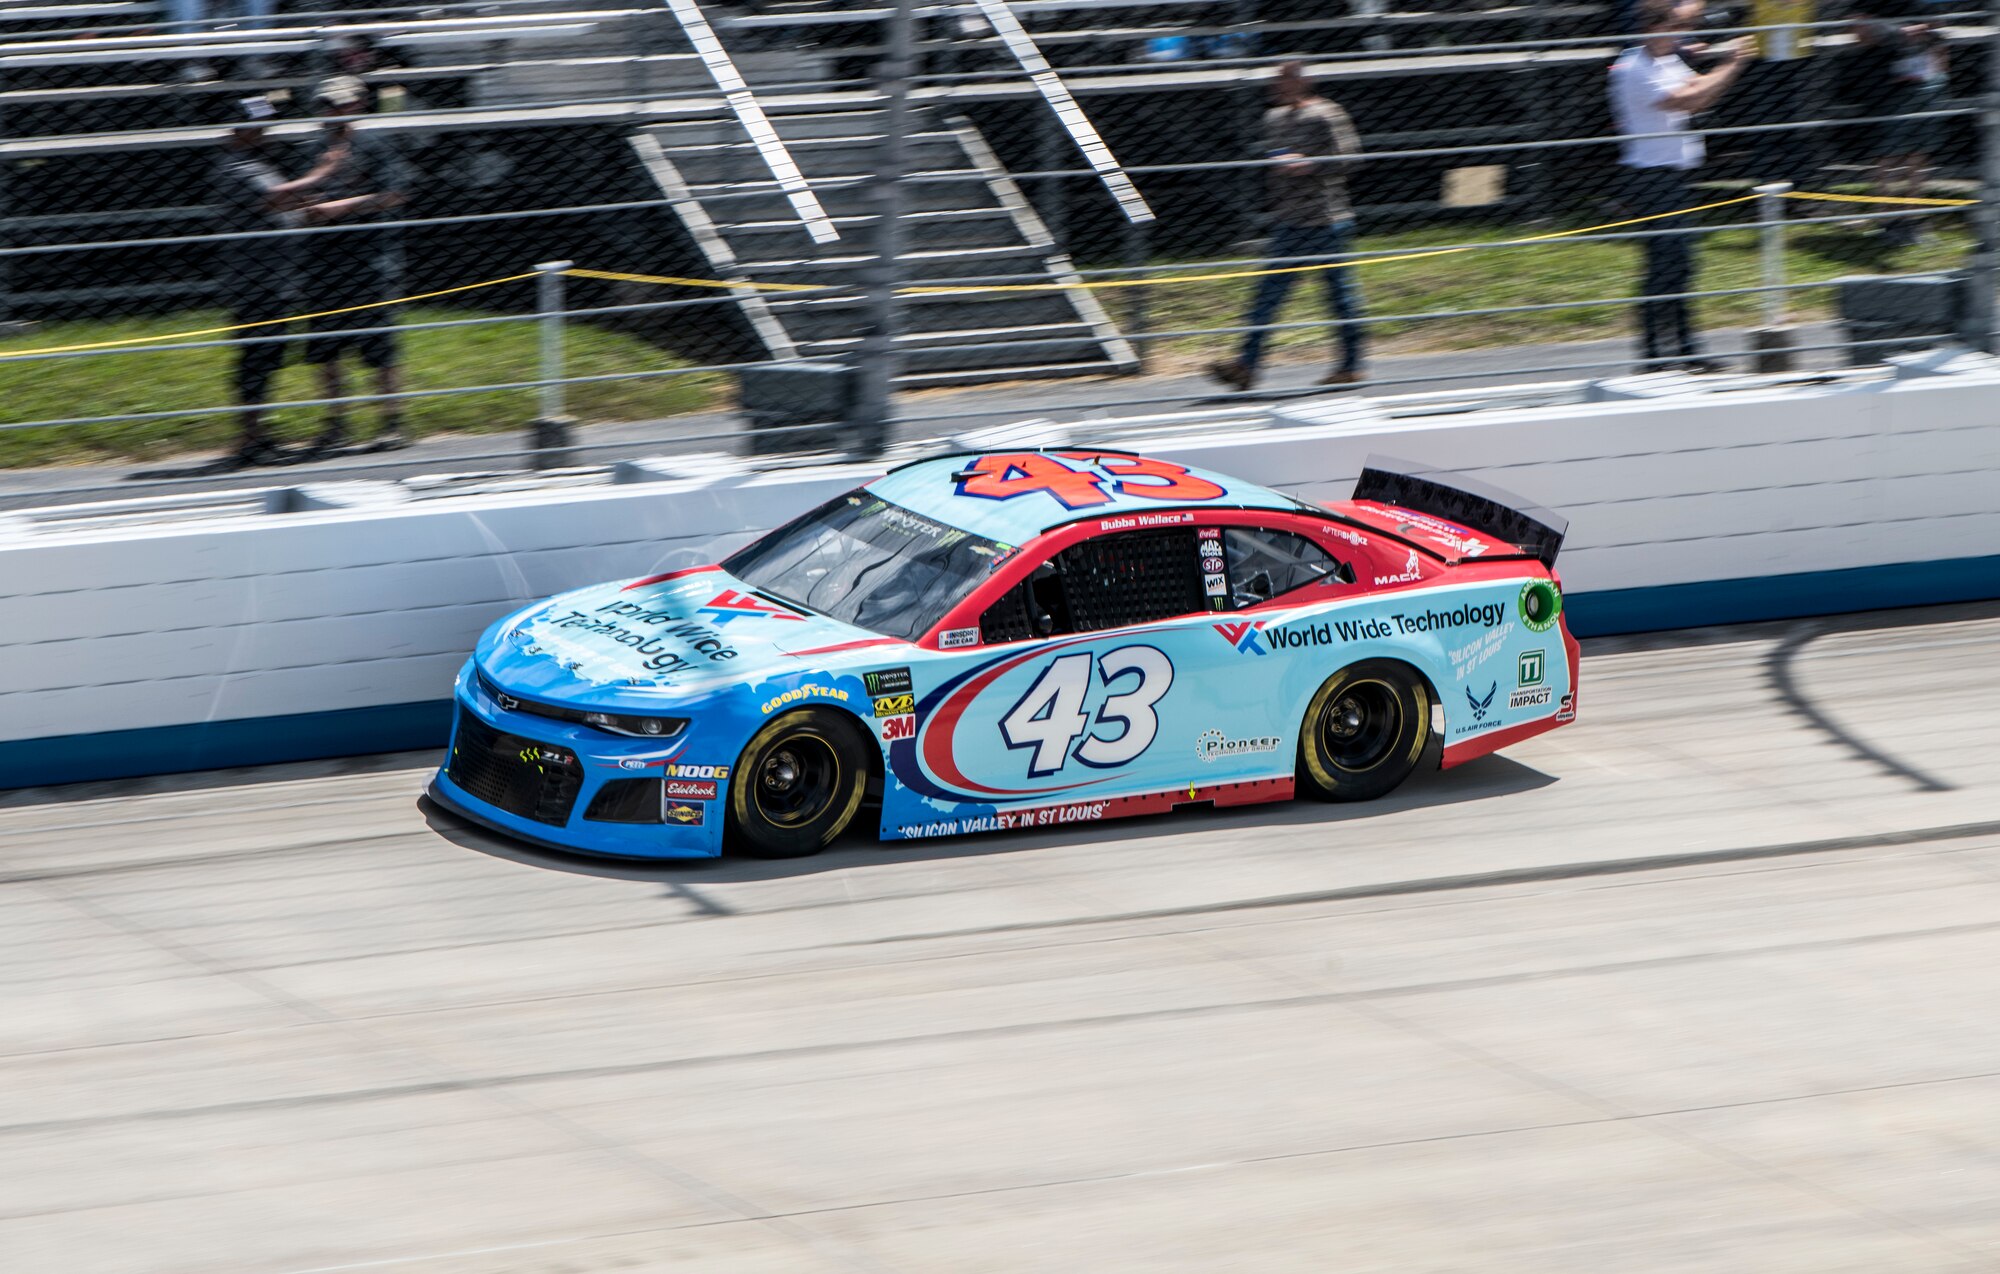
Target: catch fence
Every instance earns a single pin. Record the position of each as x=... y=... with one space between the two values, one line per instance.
x=803 y=223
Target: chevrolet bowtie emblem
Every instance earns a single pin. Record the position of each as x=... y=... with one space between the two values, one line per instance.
x=508 y=703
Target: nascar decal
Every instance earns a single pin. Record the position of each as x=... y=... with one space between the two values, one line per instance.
x=730 y=604
x=1079 y=479
x=1080 y=711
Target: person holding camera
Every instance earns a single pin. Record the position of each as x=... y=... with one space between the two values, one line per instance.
x=1654 y=93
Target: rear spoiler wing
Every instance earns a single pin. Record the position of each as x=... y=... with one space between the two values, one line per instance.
x=1474 y=505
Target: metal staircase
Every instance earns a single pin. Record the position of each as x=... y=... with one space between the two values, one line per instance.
x=964 y=220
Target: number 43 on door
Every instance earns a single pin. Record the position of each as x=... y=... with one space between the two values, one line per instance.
x=1049 y=718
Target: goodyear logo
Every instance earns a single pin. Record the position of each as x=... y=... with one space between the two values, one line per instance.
x=801 y=693
x=895 y=705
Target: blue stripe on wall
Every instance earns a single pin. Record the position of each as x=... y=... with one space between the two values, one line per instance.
x=212 y=745
x=359 y=731
x=1742 y=601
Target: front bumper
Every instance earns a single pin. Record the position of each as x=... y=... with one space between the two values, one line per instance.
x=574 y=788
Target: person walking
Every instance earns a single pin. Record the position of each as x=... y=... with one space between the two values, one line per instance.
x=1654 y=92
x=347 y=269
x=257 y=267
x=1312 y=144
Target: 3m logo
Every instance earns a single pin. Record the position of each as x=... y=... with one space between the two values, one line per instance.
x=1244 y=637
x=730 y=604
x=895 y=728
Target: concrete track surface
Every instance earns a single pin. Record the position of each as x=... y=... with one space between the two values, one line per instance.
x=1707 y=982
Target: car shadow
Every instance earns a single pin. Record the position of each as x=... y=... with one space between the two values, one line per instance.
x=1488 y=778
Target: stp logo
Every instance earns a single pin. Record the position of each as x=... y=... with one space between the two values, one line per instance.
x=1243 y=636
x=894 y=728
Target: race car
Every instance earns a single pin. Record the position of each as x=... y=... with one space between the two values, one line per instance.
x=1020 y=639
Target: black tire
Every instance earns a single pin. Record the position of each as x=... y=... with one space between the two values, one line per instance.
x=797 y=785
x=1364 y=732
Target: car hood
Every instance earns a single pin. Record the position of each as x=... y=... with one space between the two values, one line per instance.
x=687 y=633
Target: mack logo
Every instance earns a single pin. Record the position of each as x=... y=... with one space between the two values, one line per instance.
x=1480 y=707
x=1412 y=570
x=1243 y=636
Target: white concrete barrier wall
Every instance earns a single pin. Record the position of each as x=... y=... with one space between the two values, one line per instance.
x=320 y=633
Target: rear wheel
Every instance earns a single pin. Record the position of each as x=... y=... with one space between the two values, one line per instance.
x=796 y=786
x=1364 y=732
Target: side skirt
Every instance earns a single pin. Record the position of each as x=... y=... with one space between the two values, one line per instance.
x=1219 y=795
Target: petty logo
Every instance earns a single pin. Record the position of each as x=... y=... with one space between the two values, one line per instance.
x=1243 y=636
x=730 y=604
x=1480 y=707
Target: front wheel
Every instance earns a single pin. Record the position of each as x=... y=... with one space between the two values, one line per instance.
x=796 y=785
x=1364 y=732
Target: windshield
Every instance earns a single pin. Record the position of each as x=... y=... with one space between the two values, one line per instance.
x=870 y=563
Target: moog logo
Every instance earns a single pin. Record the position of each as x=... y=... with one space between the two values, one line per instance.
x=677 y=771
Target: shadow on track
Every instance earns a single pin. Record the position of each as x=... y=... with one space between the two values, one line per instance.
x=1489 y=777
x=1784 y=681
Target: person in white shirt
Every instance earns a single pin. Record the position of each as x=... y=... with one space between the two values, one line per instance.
x=1653 y=94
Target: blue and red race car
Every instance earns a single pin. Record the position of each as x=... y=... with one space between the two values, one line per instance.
x=984 y=642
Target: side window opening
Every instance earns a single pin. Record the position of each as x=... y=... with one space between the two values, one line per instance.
x=1265 y=563
x=1038 y=606
x=1133 y=578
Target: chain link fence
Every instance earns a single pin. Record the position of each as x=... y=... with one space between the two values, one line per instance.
x=530 y=233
